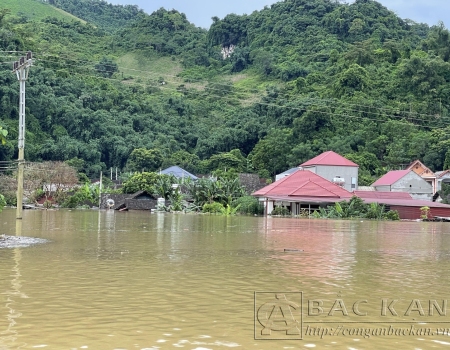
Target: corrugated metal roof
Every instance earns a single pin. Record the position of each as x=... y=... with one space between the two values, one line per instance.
x=407 y=202
x=303 y=183
x=178 y=172
x=329 y=158
x=390 y=178
x=288 y=172
x=383 y=195
x=440 y=174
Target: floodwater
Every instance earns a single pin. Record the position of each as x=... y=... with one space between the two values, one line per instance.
x=135 y=280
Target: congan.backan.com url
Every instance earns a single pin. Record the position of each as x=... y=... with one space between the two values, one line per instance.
x=368 y=332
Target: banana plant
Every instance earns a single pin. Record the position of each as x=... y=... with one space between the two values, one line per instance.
x=3 y=134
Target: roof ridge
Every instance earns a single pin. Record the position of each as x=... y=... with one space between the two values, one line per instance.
x=335 y=159
x=301 y=186
x=319 y=185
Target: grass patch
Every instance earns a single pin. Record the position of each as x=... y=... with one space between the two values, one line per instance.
x=36 y=10
x=249 y=88
x=137 y=66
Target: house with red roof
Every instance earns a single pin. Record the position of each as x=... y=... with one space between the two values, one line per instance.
x=424 y=172
x=405 y=181
x=407 y=207
x=303 y=189
x=334 y=168
x=330 y=178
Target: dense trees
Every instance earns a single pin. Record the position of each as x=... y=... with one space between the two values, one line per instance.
x=100 y=13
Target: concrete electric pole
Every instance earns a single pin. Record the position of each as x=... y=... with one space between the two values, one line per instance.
x=21 y=68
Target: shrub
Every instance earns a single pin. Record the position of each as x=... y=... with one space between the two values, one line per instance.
x=11 y=199
x=249 y=205
x=229 y=210
x=2 y=202
x=424 y=212
x=37 y=195
x=83 y=195
x=375 y=211
x=281 y=211
x=392 y=215
x=213 y=208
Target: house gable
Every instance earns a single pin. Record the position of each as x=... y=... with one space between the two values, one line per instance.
x=420 y=169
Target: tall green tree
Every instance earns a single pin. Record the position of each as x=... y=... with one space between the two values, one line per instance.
x=142 y=159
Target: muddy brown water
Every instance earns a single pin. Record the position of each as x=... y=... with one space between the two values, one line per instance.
x=134 y=280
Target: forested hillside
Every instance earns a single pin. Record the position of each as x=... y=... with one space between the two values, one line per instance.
x=256 y=93
x=99 y=12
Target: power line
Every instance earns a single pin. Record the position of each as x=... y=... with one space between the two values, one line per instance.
x=341 y=105
x=278 y=106
x=248 y=92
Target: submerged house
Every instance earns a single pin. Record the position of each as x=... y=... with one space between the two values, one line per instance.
x=435 y=179
x=407 y=207
x=405 y=181
x=141 y=200
x=330 y=178
x=425 y=173
x=303 y=189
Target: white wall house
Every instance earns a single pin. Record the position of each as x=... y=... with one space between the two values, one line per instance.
x=405 y=181
x=334 y=168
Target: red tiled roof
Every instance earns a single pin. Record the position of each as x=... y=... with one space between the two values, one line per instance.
x=303 y=183
x=390 y=178
x=306 y=199
x=329 y=158
x=383 y=195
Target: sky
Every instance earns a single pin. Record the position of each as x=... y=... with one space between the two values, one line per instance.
x=200 y=12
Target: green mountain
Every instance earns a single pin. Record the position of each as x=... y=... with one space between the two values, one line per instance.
x=260 y=92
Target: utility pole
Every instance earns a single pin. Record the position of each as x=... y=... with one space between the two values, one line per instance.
x=100 y=191
x=21 y=68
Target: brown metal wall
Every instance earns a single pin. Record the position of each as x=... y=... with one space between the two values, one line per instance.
x=413 y=213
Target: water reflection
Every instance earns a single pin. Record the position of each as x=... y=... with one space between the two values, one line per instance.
x=133 y=280
x=106 y=235
x=323 y=250
x=10 y=335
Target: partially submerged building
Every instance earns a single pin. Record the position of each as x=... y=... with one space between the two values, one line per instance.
x=407 y=207
x=330 y=178
x=303 y=189
x=435 y=179
x=405 y=181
